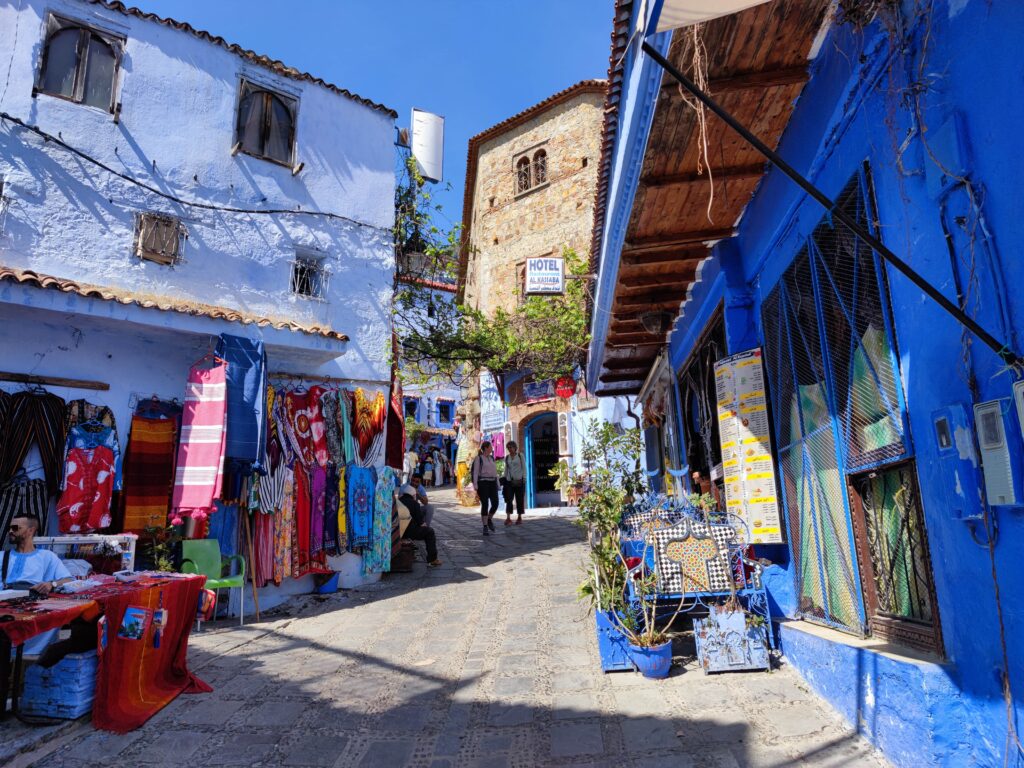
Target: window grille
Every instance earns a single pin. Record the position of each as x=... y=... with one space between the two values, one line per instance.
x=158 y=238
x=540 y=167
x=837 y=407
x=309 y=278
x=79 y=64
x=523 y=175
x=265 y=126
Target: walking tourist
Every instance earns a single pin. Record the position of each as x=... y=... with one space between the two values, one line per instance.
x=515 y=483
x=428 y=471
x=410 y=461
x=484 y=473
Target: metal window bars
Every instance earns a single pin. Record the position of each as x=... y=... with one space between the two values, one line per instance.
x=310 y=278
x=523 y=175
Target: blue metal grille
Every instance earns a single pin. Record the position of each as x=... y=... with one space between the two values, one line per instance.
x=837 y=404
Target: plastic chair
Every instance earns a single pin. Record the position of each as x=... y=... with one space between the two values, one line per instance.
x=202 y=556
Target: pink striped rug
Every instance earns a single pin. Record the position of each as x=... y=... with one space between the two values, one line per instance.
x=200 y=469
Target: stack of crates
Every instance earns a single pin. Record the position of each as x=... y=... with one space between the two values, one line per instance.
x=66 y=690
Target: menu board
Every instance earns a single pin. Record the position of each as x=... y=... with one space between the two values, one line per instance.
x=747 y=463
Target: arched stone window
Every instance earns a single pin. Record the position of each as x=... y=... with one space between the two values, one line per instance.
x=79 y=64
x=266 y=123
x=540 y=167
x=523 y=182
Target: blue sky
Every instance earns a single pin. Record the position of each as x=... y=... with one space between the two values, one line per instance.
x=474 y=61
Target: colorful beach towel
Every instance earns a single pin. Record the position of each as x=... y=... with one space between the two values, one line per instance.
x=377 y=557
x=149 y=472
x=200 y=466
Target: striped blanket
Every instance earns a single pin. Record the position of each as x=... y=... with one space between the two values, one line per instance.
x=200 y=466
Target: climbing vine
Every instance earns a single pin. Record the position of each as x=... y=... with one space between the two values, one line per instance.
x=438 y=336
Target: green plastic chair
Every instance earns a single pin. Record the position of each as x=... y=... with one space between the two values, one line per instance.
x=202 y=556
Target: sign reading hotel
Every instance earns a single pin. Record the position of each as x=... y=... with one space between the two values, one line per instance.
x=545 y=275
x=747 y=464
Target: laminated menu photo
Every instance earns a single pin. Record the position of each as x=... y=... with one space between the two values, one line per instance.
x=134 y=623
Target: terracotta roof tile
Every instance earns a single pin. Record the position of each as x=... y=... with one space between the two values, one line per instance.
x=264 y=61
x=36 y=280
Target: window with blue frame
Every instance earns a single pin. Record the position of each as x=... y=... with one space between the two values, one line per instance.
x=445 y=413
x=412 y=407
x=840 y=423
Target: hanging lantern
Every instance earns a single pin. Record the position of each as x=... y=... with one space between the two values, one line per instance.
x=565 y=387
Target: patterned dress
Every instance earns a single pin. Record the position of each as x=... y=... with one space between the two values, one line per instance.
x=360 y=484
x=283 y=523
x=368 y=419
x=377 y=557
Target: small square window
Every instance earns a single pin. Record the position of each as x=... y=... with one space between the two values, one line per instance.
x=309 y=278
x=158 y=238
x=444 y=413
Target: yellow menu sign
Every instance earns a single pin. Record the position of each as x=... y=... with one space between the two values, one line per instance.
x=747 y=460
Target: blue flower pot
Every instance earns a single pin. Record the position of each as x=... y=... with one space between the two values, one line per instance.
x=654 y=662
x=612 y=644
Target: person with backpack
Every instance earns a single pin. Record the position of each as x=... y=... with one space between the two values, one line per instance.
x=514 y=483
x=484 y=473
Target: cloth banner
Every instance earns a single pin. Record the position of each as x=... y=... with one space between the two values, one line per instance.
x=246 y=399
x=200 y=466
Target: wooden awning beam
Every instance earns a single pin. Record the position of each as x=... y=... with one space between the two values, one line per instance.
x=647 y=280
x=739 y=172
x=655 y=243
x=632 y=339
x=765 y=78
x=638 y=375
x=627 y=363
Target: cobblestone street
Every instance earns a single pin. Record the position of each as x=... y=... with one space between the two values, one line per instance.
x=487 y=661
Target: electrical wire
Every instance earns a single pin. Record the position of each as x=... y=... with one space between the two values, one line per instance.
x=4 y=116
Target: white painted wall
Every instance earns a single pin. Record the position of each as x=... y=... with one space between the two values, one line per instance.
x=67 y=218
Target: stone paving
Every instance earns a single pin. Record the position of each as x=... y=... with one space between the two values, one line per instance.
x=487 y=661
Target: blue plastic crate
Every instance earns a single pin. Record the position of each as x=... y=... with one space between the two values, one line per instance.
x=66 y=690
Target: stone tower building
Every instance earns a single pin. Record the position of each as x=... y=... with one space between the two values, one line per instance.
x=531 y=184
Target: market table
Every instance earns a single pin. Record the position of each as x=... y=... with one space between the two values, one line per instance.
x=142 y=656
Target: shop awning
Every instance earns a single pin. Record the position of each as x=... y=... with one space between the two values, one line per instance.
x=757 y=65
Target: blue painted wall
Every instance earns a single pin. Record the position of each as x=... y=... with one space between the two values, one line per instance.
x=854 y=109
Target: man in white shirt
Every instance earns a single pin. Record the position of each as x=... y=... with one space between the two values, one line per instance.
x=410 y=462
x=39 y=569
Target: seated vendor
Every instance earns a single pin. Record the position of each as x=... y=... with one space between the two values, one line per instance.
x=418 y=529
x=421 y=495
x=38 y=569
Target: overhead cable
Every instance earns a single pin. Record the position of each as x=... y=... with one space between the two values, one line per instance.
x=174 y=198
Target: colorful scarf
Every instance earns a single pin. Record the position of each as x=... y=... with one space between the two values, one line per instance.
x=200 y=466
x=149 y=472
x=284 y=520
x=246 y=399
x=368 y=418
x=377 y=557
x=360 y=483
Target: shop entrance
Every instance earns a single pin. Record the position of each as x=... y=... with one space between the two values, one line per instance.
x=540 y=438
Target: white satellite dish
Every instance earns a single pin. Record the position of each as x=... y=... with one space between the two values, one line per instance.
x=428 y=144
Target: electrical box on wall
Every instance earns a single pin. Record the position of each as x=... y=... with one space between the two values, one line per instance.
x=999 y=438
x=958 y=459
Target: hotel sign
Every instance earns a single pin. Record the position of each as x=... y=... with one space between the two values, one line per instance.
x=545 y=275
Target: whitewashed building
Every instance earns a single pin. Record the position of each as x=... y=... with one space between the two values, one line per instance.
x=160 y=186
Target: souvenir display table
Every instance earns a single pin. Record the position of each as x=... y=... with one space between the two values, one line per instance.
x=143 y=630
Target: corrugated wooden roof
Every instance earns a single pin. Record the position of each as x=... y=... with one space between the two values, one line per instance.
x=757 y=66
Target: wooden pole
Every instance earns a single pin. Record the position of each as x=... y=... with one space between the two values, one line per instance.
x=252 y=561
x=53 y=381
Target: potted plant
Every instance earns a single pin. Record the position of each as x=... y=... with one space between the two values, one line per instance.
x=611 y=458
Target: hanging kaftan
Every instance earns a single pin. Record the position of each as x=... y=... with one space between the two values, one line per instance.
x=377 y=557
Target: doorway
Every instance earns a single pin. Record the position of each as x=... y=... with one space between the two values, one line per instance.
x=540 y=438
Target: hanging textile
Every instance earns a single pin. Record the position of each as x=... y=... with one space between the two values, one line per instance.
x=5 y=409
x=22 y=497
x=394 y=451
x=80 y=411
x=34 y=417
x=91 y=475
x=263 y=548
x=317 y=508
x=332 y=542
x=200 y=465
x=300 y=537
x=246 y=400
x=284 y=520
x=377 y=557
x=338 y=426
x=149 y=472
x=343 y=526
x=306 y=426
x=360 y=483
x=368 y=419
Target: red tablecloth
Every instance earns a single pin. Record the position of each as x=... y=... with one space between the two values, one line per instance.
x=136 y=679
